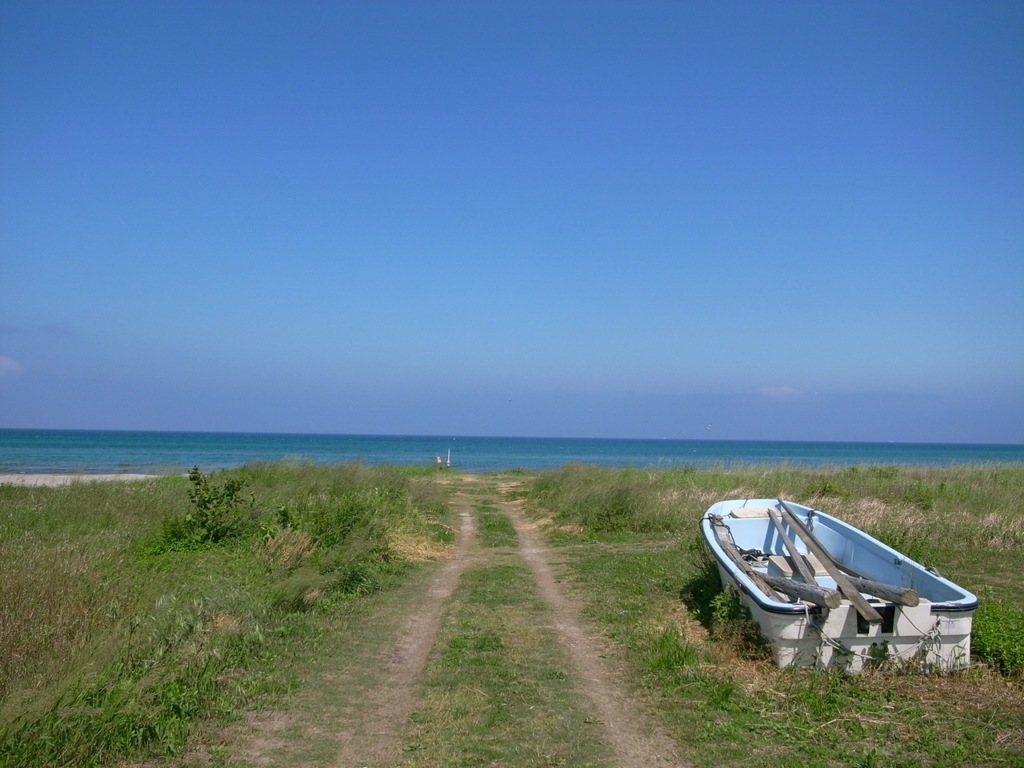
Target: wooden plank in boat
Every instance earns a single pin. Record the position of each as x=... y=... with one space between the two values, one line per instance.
x=842 y=580
x=749 y=512
x=783 y=565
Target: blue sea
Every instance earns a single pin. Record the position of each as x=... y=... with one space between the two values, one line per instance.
x=99 y=452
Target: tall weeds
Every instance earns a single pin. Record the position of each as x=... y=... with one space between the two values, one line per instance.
x=131 y=609
x=608 y=501
x=929 y=511
x=699 y=660
x=966 y=521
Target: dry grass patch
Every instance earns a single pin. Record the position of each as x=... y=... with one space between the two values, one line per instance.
x=286 y=548
x=49 y=605
x=413 y=548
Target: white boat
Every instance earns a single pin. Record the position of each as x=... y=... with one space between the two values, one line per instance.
x=827 y=595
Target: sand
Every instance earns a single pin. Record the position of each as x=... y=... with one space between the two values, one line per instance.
x=55 y=480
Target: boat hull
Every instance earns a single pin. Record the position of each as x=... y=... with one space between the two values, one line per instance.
x=934 y=634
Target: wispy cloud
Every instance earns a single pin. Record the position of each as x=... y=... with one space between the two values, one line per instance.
x=58 y=329
x=779 y=393
x=9 y=367
x=49 y=329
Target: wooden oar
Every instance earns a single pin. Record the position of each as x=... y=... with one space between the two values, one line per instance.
x=842 y=580
x=812 y=593
x=729 y=545
x=899 y=595
x=798 y=559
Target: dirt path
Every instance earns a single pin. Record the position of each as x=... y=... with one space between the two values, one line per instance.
x=355 y=710
x=375 y=735
x=635 y=740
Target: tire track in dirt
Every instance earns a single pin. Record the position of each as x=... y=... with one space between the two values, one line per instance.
x=376 y=736
x=635 y=740
x=369 y=727
x=356 y=711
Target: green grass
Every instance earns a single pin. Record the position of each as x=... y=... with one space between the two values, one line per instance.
x=124 y=623
x=998 y=634
x=125 y=629
x=494 y=530
x=966 y=520
x=497 y=689
x=630 y=540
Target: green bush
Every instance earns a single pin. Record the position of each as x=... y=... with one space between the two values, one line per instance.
x=997 y=636
x=704 y=584
x=823 y=488
x=181 y=608
x=219 y=513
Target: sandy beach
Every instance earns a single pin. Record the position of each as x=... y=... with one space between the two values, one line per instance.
x=55 y=480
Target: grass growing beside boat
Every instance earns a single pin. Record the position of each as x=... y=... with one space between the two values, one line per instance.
x=968 y=520
x=630 y=539
x=119 y=634
x=998 y=635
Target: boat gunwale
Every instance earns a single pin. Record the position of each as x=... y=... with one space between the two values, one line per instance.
x=967 y=604
x=775 y=606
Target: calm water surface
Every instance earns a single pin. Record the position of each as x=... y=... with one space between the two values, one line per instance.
x=73 y=451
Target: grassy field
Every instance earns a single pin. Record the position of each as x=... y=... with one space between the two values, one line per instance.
x=135 y=617
x=497 y=691
x=631 y=540
x=130 y=611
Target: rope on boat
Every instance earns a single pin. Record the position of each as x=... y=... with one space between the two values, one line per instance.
x=930 y=642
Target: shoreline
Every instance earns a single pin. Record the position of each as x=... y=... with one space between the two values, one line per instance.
x=62 y=452
x=43 y=480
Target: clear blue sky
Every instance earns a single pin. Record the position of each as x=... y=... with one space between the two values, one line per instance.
x=733 y=220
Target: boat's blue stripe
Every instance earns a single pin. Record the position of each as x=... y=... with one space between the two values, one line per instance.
x=955 y=607
x=757 y=597
x=802 y=609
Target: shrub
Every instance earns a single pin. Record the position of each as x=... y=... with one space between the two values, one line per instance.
x=704 y=584
x=997 y=636
x=219 y=513
x=826 y=488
